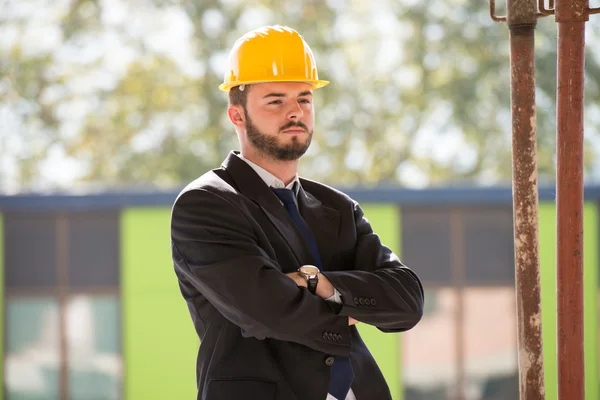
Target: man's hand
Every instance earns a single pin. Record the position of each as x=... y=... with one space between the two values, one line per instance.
x=324 y=287
x=300 y=281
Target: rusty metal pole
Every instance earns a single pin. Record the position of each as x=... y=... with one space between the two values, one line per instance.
x=571 y=16
x=521 y=18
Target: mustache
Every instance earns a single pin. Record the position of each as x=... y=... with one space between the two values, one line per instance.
x=292 y=124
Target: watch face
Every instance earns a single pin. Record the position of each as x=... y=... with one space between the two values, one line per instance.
x=309 y=270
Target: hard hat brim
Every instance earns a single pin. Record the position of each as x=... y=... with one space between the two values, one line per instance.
x=315 y=84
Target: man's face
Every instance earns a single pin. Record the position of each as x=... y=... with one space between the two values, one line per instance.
x=280 y=119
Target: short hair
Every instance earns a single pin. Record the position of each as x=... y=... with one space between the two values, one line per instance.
x=238 y=97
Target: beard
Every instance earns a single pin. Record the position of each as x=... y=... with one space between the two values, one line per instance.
x=270 y=146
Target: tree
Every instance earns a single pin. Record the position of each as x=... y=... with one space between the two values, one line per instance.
x=127 y=91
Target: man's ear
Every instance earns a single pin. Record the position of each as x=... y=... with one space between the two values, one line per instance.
x=236 y=116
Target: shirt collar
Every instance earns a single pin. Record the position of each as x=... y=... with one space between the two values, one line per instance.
x=270 y=179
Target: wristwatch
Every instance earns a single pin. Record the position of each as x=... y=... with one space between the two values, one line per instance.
x=311 y=274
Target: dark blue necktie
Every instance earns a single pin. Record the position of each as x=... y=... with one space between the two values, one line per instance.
x=342 y=373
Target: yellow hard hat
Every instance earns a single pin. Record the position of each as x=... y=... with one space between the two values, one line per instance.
x=271 y=54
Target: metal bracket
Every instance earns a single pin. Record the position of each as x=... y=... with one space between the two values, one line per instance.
x=546 y=11
x=493 y=12
x=543 y=11
x=550 y=10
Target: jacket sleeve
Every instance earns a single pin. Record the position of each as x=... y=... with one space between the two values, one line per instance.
x=380 y=290
x=215 y=249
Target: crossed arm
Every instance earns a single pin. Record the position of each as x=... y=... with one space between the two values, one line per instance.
x=218 y=253
x=325 y=289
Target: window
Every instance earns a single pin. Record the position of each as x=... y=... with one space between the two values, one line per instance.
x=30 y=250
x=433 y=237
x=93 y=337
x=63 y=312
x=429 y=350
x=489 y=244
x=426 y=244
x=489 y=343
x=460 y=349
x=93 y=249
x=32 y=354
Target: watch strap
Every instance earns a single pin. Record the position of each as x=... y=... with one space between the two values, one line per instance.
x=311 y=285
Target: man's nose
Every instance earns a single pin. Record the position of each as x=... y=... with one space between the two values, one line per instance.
x=295 y=112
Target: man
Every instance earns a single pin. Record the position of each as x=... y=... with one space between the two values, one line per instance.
x=277 y=270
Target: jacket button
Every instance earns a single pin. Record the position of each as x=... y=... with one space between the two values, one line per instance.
x=329 y=361
x=331 y=336
x=373 y=302
x=325 y=335
x=361 y=301
x=356 y=300
x=338 y=338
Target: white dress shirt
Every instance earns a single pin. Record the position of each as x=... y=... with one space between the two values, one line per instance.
x=274 y=182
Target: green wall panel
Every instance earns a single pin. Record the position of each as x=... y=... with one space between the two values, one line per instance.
x=385 y=347
x=547 y=240
x=159 y=341
x=590 y=288
x=1 y=308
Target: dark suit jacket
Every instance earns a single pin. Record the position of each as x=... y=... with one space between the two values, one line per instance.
x=262 y=337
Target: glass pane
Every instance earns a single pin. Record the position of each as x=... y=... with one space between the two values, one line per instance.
x=429 y=349
x=94 y=249
x=420 y=228
x=30 y=246
x=490 y=344
x=32 y=349
x=489 y=246
x=93 y=337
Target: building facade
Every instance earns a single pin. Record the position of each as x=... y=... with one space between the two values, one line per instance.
x=90 y=307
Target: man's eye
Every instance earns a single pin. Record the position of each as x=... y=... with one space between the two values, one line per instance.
x=305 y=101
x=275 y=102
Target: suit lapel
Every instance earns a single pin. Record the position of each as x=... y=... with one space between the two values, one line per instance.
x=323 y=222
x=253 y=187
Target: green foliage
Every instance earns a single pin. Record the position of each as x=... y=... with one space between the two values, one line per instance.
x=419 y=93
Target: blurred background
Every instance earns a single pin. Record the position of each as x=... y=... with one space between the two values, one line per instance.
x=109 y=107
